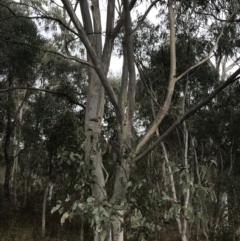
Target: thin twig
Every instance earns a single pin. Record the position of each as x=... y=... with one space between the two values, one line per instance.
x=47 y=91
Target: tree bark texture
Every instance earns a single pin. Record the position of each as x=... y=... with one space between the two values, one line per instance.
x=90 y=34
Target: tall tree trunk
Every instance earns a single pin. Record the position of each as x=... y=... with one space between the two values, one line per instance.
x=185 y=233
x=121 y=179
x=7 y=151
x=16 y=141
x=14 y=170
x=44 y=210
x=25 y=186
x=173 y=185
x=185 y=223
x=125 y=124
x=100 y=58
x=82 y=229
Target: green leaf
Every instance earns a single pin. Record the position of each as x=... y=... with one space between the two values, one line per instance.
x=158 y=227
x=90 y=199
x=174 y=170
x=72 y=156
x=214 y=162
x=64 y=153
x=64 y=217
x=208 y=174
x=185 y=188
x=201 y=194
x=74 y=206
x=133 y=200
x=166 y=197
x=204 y=171
x=97 y=219
x=80 y=205
x=95 y=210
x=103 y=235
x=171 y=164
x=117 y=207
x=105 y=213
x=176 y=208
x=77 y=155
x=211 y=193
x=129 y=184
x=115 y=224
x=68 y=198
x=54 y=209
x=92 y=223
x=61 y=210
x=188 y=177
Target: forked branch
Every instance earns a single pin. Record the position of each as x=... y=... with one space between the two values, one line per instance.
x=188 y=114
x=44 y=90
x=208 y=55
x=171 y=84
x=93 y=56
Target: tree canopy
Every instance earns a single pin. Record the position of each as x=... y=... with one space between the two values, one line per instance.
x=123 y=154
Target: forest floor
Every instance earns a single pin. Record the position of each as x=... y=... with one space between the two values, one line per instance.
x=25 y=224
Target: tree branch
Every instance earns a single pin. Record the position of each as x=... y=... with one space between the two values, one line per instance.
x=171 y=84
x=128 y=39
x=204 y=59
x=95 y=60
x=122 y=98
x=211 y=51
x=41 y=17
x=109 y=41
x=149 y=89
x=232 y=19
x=120 y=22
x=97 y=24
x=187 y=115
x=229 y=67
x=74 y=58
x=144 y=16
x=47 y=91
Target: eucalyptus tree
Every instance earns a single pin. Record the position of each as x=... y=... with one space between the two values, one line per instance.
x=177 y=150
x=201 y=153
x=82 y=21
x=16 y=68
x=51 y=127
x=22 y=68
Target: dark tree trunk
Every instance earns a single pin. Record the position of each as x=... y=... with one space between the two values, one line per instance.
x=7 y=155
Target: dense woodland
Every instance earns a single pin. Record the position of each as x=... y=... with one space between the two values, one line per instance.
x=146 y=151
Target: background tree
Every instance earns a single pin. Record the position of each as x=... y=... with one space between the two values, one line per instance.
x=16 y=68
x=184 y=53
